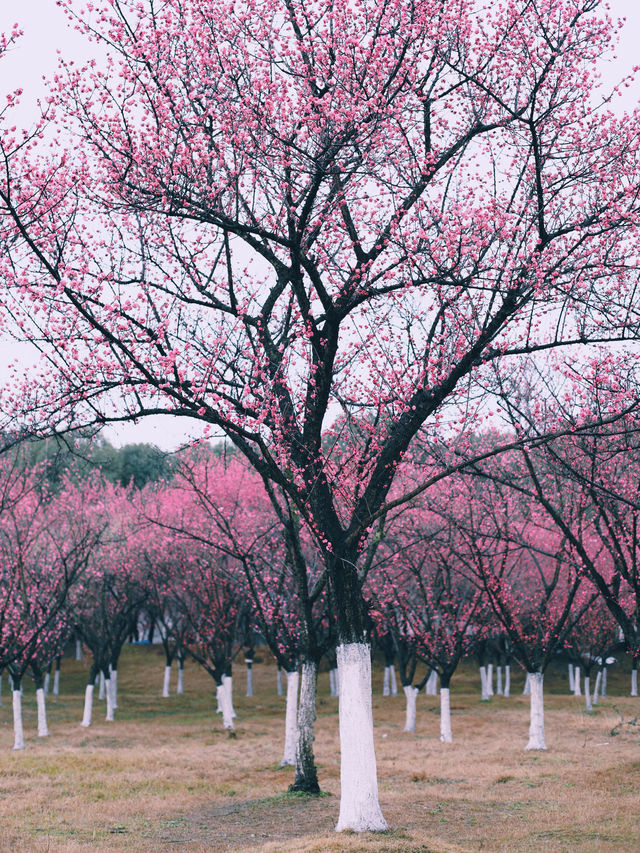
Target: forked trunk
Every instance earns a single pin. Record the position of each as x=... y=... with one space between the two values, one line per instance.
x=306 y=778
x=43 y=729
x=290 y=724
x=411 y=694
x=18 y=731
x=445 y=716
x=166 y=682
x=359 y=806
x=536 y=725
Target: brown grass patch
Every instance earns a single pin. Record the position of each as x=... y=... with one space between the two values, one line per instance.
x=165 y=776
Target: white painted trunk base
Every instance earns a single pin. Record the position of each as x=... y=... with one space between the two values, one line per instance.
x=333 y=682
x=490 y=679
x=526 y=690
x=536 y=725
x=18 y=731
x=47 y=680
x=596 y=688
x=445 y=716
x=431 y=687
x=411 y=694
x=386 y=688
x=249 y=677
x=484 y=684
x=634 y=682
x=587 y=693
x=290 y=720
x=56 y=683
x=101 y=688
x=359 y=806
x=603 y=686
x=499 y=688
x=507 y=680
x=392 y=680
x=88 y=706
x=571 y=680
x=227 y=680
x=114 y=687
x=180 y=684
x=109 y=697
x=576 y=681
x=222 y=695
x=43 y=729
x=166 y=683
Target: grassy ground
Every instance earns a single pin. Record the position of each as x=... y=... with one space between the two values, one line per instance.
x=165 y=776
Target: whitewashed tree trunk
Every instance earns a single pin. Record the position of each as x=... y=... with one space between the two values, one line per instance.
x=333 y=682
x=290 y=719
x=411 y=694
x=484 y=687
x=359 y=806
x=109 y=697
x=490 y=680
x=571 y=679
x=180 y=684
x=596 y=688
x=0 y=688
x=78 y=650
x=603 y=686
x=43 y=729
x=47 y=680
x=227 y=680
x=249 y=664
x=536 y=725
x=392 y=681
x=386 y=689
x=222 y=695
x=279 y=681
x=445 y=716
x=576 y=681
x=56 y=682
x=101 y=688
x=526 y=690
x=431 y=687
x=88 y=706
x=634 y=682
x=507 y=680
x=18 y=731
x=499 y=688
x=306 y=778
x=587 y=693
x=166 y=682
x=114 y=686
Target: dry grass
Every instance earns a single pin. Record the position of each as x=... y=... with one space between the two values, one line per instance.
x=165 y=777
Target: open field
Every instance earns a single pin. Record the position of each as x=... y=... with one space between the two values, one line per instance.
x=165 y=776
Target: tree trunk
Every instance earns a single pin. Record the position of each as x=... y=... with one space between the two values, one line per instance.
x=596 y=689
x=386 y=689
x=88 y=705
x=56 y=678
x=499 y=688
x=101 y=688
x=359 y=806
x=603 y=686
x=78 y=650
x=576 y=681
x=306 y=778
x=431 y=687
x=166 y=682
x=536 y=725
x=18 y=731
x=445 y=716
x=249 y=664
x=392 y=680
x=227 y=681
x=333 y=682
x=411 y=694
x=224 y=703
x=634 y=681
x=587 y=693
x=484 y=684
x=114 y=685
x=109 y=697
x=43 y=729
x=290 y=724
x=490 y=680
x=180 y=684
x=507 y=680
x=571 y=682
x=526 y=690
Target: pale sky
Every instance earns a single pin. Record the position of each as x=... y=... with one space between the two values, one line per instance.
x=46 y=32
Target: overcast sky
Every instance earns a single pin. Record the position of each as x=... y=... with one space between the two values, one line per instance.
x=46 y=33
